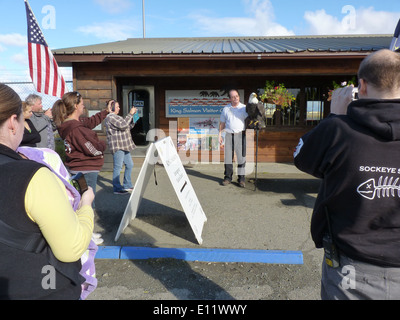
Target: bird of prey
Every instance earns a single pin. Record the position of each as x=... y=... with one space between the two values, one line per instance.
x=256 y=113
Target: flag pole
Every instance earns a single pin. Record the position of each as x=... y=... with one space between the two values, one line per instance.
x=30 y=9
x=43 y=67
x=144 y=20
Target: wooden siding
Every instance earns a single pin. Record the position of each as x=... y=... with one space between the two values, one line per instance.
x=278 y=146
x=270 y=67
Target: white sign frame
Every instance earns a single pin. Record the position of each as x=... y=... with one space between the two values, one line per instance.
x=165 y=151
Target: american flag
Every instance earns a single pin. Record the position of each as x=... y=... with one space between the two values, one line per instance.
x=43 y=67
x=395 y=45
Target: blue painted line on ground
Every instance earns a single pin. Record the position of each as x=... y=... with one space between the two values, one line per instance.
x=202 y=255
x=108 y=253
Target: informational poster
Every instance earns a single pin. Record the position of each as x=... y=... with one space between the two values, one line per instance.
x=165 y=151
x=196 y=103
x=198 y=134
x=198 y=113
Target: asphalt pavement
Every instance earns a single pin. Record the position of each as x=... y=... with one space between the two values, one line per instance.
x=269 y=217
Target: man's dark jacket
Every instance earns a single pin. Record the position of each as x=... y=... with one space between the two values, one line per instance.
x=357 y=156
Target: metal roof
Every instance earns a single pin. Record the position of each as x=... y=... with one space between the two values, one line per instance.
x=238 y=45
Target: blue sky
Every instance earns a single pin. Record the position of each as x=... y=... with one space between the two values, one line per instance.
x=82 y=22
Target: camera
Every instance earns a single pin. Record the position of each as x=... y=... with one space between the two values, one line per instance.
x=79 y=183
x=355 y=94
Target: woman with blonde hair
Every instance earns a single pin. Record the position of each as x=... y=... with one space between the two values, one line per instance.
x=31 y=136
x=42 y=238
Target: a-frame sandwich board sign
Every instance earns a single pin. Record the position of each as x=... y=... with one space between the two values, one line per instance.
x=165 y=151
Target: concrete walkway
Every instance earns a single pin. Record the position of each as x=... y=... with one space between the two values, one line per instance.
x=276 y=216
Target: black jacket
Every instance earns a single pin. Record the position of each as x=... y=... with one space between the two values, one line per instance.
x=24 y=253
x=357 y=156
x=30 y=138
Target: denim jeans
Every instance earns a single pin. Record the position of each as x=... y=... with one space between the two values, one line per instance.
x=91 y=179
x=356 y=280
x=120 y=158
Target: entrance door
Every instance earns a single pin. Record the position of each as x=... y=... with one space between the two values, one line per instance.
x=142 y=97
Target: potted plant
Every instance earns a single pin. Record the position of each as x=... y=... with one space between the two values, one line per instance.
x=279 y=96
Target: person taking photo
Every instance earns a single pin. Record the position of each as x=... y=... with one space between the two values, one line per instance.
x=120 y=144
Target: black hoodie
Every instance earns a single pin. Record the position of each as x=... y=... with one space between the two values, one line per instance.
x=357 y=156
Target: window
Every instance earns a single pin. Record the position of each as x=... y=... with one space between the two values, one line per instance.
x=307 y=110
x=278 y=116
x=315 y=106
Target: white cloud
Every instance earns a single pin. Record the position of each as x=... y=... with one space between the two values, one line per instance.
x=14 y=75
x=13 y=39
x=109 y=31
x=261 y=22
x=114 y=6
x=354 y=21
x=20 y=59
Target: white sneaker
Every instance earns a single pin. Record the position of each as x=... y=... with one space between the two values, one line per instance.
x=98 y=241
x=96 y=235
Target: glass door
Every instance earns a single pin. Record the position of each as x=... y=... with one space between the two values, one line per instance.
x=143 y=99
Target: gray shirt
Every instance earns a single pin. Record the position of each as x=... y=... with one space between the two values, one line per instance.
x=45 y=127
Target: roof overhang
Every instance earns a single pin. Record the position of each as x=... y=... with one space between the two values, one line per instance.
x=226 y=49
x=70 y=58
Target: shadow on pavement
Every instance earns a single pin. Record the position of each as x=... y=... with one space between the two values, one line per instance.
x=299 y=188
